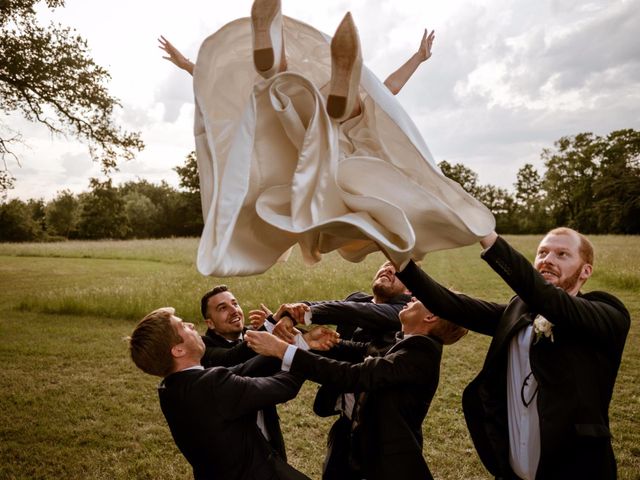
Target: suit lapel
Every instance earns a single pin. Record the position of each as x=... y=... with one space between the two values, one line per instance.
x=515 y=318
x=402 y=342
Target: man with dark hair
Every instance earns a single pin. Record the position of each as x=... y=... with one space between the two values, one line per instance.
x=224 y=347
x=225 y=329
x=212 y=412
x=539 y=408
x=393 y=393
x=361 y=316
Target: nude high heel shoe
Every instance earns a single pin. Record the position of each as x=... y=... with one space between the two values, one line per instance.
x=346 y=66
x=268 y=43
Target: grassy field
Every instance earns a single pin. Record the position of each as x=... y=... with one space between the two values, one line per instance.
x=74 y=406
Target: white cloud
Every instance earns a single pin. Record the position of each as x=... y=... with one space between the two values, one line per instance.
x=507 y=78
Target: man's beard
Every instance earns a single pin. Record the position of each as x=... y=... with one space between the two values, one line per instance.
x=383 y=292
x=568 y=283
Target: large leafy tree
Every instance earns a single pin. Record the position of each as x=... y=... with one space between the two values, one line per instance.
x=617 y=187
x=467 y=178
x=17 y=223
x=529 y=198
x=501 y=204
x=572 y=166
x=142 y=214
x=62 y=214
x=593 y=182
x=48 y=76
x=188 y=173
x=103 y=213
x=190 y=203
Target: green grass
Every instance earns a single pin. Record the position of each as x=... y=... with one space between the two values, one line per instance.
x=74 y=406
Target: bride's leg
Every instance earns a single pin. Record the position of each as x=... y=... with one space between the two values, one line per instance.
x=343 y=101
x=268 y=40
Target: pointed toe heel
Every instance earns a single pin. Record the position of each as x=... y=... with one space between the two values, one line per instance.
x=346 y=67
x=268 y=44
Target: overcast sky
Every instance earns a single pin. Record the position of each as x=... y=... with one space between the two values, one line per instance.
x=507 y=77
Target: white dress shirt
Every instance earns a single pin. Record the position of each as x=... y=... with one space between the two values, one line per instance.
x=524 y=424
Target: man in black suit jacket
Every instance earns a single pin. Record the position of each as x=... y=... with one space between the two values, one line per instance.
x=224 y=318
x=539 y=406
x=394 y=391
x=363 y=317
x=211 y=412
x=224 y=347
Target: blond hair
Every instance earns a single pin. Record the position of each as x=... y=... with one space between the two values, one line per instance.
x=448 y=332
x=151 y=342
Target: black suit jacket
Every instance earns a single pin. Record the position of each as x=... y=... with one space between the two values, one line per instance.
x=575 y=373
x=219 y=352
x=212 y=417
x=356 y=318
x=400 y=386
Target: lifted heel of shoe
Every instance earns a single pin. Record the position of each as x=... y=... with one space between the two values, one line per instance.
x=346 y=67
x=266 y=28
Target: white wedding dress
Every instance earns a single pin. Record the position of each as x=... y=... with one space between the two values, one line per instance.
x=275 y=170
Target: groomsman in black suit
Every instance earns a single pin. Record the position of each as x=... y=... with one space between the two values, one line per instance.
x=393 y=392
x=539 y=408
x=224 y=318
x=224 y=347
x=212 y=412
x=363 y=317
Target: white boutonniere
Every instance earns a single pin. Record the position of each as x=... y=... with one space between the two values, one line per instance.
x=542 y=327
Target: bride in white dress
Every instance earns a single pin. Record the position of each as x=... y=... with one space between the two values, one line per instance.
x=276 y=169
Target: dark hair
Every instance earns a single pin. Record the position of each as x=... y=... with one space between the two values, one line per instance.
x=204 y=302
x=151 y=342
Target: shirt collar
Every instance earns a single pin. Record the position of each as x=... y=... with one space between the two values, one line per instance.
x=195 y=367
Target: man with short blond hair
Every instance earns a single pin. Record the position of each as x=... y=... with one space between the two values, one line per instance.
x=393 y=391
x=152 y=339
x=539 y=408
x=363 y=317
x=212 y=412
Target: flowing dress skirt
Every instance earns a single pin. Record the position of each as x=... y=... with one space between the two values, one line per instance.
x=275 y=170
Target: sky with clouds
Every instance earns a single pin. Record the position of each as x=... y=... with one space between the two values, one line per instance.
x=507 y=78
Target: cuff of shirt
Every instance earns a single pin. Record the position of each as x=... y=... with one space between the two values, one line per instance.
x=307 y=317
x=287 y=360
x=300 y=342
x=268 y=325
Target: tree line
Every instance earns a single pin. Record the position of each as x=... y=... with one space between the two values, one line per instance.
x=591 y=183
x=132 y=210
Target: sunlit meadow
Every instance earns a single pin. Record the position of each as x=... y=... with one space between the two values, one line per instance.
x=74 y=406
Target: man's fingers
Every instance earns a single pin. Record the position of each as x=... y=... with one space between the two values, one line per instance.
x=265 y=309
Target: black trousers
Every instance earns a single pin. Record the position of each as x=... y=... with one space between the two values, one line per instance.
x=338 y=464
